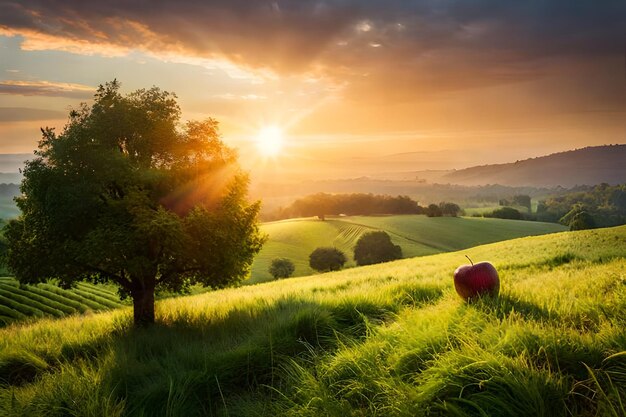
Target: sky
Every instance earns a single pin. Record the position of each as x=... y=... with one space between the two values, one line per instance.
x=354 y=86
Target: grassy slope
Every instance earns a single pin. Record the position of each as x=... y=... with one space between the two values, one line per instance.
x=388 y=340
x=47 y=300
x=417 y=235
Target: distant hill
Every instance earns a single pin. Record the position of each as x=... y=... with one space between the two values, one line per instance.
x=586 y=166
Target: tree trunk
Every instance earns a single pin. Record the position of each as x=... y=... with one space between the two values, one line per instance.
x=143 y=305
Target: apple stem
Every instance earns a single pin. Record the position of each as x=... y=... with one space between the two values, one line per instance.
x=469 y=260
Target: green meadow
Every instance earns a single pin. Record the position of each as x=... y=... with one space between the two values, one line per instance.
x=417 y=235
x=384 y=340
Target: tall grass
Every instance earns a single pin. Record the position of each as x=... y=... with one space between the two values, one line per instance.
x=387 y=340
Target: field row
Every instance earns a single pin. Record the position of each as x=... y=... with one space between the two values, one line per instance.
x=47 y=300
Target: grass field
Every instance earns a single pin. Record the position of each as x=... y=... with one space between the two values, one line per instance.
x=47 y=300
x=385 y=340
x=417 y=235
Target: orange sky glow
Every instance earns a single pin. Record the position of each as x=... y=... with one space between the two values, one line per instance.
x=355 y=87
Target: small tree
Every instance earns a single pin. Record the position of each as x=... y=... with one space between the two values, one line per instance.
x=127 y=194
x=433 y=210
x=450 y=209
x=375 y=247
x=327 y=259
x=505 y=213
x=578 y=218
x=582 y=221
x=523 y=200
x=281 y=268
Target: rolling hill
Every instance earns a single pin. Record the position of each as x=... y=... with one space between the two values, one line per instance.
x=391 y=340
x=18 y=303
x=586 y=166
x=417 y=236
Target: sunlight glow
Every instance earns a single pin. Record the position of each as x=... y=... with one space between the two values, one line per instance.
x=270 y=140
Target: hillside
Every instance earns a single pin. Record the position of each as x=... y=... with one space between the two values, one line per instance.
x=47 y=300
x=587 y=166
x=417 y=236
x=391 y=339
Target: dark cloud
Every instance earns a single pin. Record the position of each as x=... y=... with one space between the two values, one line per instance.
x=428 y=46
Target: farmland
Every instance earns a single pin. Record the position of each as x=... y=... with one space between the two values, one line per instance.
x=416 y=235
x=391 y=340
x=18 y=303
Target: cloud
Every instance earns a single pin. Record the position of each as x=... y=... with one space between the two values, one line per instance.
x=46 y=88
x=22 y=114
x=398 y=48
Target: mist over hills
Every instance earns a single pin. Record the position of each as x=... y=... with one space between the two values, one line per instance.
x=11 y=163
x=586 y=166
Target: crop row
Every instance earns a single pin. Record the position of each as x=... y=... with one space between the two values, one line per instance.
x=47 y=300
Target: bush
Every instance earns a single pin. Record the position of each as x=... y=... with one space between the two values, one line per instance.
x=450 y=209
x=578 y=218
x=433 y=210
x=327 y=259
x=505 y=213
x=374 y=248
x=281 y=268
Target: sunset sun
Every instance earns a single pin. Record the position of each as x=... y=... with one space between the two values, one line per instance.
x=270 y=140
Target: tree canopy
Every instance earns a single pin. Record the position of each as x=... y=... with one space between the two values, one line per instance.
x=323 y=204
x=433 y=210
x=128 y=194
x=281 y=268
x=578 y=218
x=327 y=259
x=505 y=213
x=605 y=204
x=374 y=248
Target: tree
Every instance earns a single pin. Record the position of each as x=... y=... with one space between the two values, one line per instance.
x=327 y=259
x=582 y=221
x=281 y=268
x=374 y=248
x=578 y=218
x=523 y=200
x=126 y=194
x=505 y=213
x=449 y=209
x=433 y=210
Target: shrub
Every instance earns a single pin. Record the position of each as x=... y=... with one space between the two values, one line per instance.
x=433 y=210
x=578 y=218
x=374 y=248
x=505 y=213
x=327 y=259
x=281 y=268
x=449 y=209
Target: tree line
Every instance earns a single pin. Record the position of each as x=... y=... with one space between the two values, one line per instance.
x=324 y=204
x=604 y=206
x=585 y=207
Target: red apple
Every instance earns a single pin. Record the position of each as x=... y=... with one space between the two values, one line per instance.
x=476 y=279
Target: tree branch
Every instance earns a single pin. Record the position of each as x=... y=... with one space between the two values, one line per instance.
x=168 y=274
x=119 y=279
